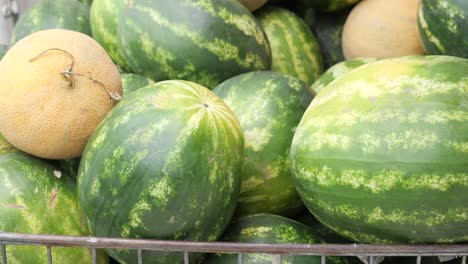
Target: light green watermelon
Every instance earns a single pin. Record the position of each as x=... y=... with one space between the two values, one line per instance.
x=207 y=41
x=36 y=198
x=269 y=105
x=337 y=70
x=294 y=48
x=380 y=155
x=131 y=82
x=443 y=27
x=164 y=164
x=50 y=14
x=104 y=21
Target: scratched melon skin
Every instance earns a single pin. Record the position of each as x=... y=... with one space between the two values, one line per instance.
x=380 y=155
x=34 y=200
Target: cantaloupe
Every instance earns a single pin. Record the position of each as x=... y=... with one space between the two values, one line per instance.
x=55 y=88
x=253 y=5
x=382 y=29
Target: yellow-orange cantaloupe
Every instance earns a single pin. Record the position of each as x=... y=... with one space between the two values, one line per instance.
x=43 y=110
x=382 y=29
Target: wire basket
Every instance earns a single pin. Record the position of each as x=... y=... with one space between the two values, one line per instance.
x=277 y=250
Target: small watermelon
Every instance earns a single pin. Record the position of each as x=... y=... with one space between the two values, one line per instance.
x=330 y=5
x=50 y=14
x=164 y=164
x=269 y=105
x=443 y=27
x=294 y=48
x=104 y=20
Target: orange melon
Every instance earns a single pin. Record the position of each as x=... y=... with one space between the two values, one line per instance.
x=44 y=110
x=382 y=29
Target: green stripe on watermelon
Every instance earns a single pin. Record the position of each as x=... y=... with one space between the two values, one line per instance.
x=3 y=50
x=274 y=229
x=104 y=22
x=337 y=70
x=50 y=14
x=294 y=48
x=34 y=200
x=443 y=27
x=131 y=82
x=328 y=30
x=269 y=105
x=380 y=155
x=164 y=164
x=87 y=2
x=202 y=41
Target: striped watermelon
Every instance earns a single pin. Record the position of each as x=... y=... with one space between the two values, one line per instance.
x=337 y=70
x=274 y=229
x=50 y=14
x=131 y=82
x=269 y=105
x=104 y=21
x=164 y=164
x=380 y=155
x=294 y=49
x=36 y=198
x=328 y=29
x=204 y=41
x=443 y=27
x=330 y=5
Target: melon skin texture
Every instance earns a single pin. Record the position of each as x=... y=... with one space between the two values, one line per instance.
x=382 y=29
x=46 y=113
x=206 y=42
x=164 y=164
x=380 y=154
x=443 y=27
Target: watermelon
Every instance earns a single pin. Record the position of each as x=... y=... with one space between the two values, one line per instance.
x=87 y=2
x=205 y=41
x=330 y=5
x=271 y=229
x=131 y=82
x=305 y=11
x=380 y=156
x=104 y=20
x=443 y=27
x=50 y=14
x=328 y=30
x=326 y=234
x=269 y=105
x=3 y=50
x=164 y=164
x=294 y=48
x=36 y=198
x=337 y=70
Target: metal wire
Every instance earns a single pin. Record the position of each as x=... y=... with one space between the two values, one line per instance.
x=93 y=253
x=186 y=258
x=49 y=255
x=464 y=260
x=4 y=254
x=418 y=260
x=239 y=258
x=140 y=257
x=277 y=259
x=323 y=260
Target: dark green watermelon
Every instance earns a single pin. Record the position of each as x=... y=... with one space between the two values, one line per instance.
x=164 y=164
x=131 y=82
x=443 y=27
x=328 y=29
x=271 y=229
x=269 y=105
x=330 y=5
x=205 y=41
x=35 y=198
x=50 y=14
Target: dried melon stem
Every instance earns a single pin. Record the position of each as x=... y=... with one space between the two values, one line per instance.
x=68 y=74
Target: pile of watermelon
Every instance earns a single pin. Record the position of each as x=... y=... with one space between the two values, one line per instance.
x=305 y=121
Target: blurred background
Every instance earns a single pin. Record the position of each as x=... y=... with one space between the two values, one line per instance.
x=10 y=9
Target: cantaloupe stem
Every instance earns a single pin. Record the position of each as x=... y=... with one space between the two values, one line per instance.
x=68 y=73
